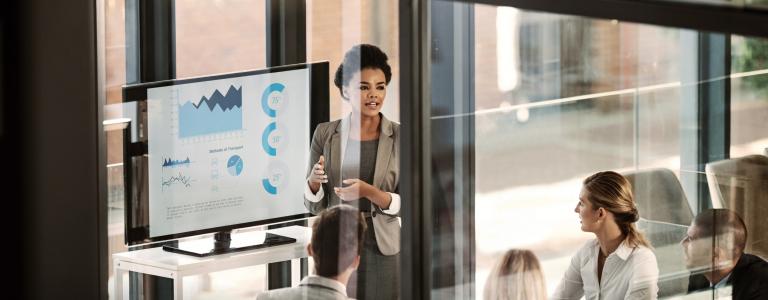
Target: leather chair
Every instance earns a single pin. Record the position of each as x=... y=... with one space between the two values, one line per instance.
x=659 y=196
x=741 y=184
x=665 y=217
x=665 y=238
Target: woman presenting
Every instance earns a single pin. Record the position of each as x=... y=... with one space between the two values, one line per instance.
x=355 y=160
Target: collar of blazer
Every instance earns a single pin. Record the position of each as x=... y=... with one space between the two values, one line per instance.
x=343 y=126
x=383 y=152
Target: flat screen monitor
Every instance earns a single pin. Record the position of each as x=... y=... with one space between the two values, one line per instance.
x=224 y=151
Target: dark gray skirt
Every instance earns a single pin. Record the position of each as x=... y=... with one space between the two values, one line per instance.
x=378 y=276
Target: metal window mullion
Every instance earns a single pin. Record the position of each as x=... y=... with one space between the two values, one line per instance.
x=286 y=36
x=150 y=34
x=705 y=110
x=286 y=32
x=102 y=205
x=714 y=106
x=416 y=178
x=452 y=151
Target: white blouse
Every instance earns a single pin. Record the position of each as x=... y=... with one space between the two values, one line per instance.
x=628 y=273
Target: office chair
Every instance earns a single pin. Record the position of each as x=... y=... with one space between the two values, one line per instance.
x=665 y=238
x=665 y=217
x=659 y=196
x=741 y=184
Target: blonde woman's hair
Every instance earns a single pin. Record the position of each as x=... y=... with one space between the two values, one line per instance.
x=613 y=192
x=517 y=276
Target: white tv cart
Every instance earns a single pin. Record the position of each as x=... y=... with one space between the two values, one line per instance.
x=156 y=261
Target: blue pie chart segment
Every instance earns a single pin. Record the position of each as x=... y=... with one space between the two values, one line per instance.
x=269 y=187
x=235 y=165
x=275 y=87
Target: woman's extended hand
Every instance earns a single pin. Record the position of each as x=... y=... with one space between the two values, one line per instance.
x=357 y=189
x=354 y=190
x=317 y=176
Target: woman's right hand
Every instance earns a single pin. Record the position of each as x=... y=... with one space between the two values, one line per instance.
x=317 y=176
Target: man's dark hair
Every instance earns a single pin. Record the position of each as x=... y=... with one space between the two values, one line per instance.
x=725 y=226
x=360 y=57
x=337 y=239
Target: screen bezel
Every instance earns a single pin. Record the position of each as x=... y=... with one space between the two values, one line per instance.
x=319 y=111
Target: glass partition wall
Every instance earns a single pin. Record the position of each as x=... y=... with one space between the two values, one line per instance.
x=174 y=39
x=505 y=112
x=522 y=106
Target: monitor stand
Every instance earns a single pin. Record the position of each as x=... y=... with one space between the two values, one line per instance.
x=222 y=243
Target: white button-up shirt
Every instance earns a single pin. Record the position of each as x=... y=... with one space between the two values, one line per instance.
x=628 y=273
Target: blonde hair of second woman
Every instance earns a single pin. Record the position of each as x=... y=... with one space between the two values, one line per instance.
x=517 y=276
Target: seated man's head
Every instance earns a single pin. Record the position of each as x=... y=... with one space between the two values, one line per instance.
x=337 y=240
x=715 y=240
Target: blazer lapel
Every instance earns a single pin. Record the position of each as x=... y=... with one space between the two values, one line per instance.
x=383 y=152
x=338 y=146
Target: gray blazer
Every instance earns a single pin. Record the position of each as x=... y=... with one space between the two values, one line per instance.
x=330 y=140
x=311 y=288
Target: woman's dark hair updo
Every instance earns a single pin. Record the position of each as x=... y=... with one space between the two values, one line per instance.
x=360 y=57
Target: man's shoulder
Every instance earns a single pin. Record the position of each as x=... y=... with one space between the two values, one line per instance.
x=283 y=293
x=750 y=278
x=753 y=266
x=311 y=288
x=300 y=292
x=753 y=262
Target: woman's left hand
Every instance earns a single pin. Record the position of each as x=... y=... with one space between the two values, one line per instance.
x=357 y=189
x=354 y=190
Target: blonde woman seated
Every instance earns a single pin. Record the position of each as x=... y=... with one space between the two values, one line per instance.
x=517 y=276
x=619 y=263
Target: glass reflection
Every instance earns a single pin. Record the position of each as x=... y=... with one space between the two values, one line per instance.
x=714 y=248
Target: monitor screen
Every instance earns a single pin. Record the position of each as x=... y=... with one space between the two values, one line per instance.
x=227 y=151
